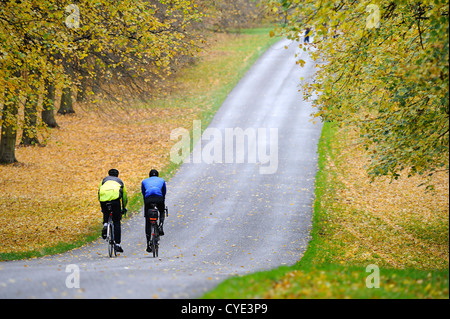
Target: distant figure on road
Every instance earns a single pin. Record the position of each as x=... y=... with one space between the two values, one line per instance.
x=154 y=192
x=307 y=31
x=112 y=190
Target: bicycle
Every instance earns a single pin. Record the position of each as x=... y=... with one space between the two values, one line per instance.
x=153 y=216
x=110 y=232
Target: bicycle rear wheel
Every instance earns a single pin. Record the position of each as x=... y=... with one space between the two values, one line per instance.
x=154 y=240
x=110 y=238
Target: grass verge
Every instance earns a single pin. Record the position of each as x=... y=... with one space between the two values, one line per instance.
x=407 y=243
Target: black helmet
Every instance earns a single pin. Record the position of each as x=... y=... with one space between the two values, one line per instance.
x=113 y=172
x=153 y=172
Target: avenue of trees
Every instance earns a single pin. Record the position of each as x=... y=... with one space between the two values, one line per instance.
x=383 y=64
x=94 y=51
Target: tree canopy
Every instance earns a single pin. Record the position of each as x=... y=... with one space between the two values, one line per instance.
x=382 y=68
x=69 y=42
x=101 y=53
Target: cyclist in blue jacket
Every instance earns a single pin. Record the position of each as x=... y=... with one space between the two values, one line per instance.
x=154 y=192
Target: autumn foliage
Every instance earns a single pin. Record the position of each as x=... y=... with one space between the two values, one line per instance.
x=97 y=48
x=383 y=68
x=50 y=196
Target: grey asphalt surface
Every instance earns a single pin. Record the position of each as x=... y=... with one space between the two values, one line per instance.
x=225 y=219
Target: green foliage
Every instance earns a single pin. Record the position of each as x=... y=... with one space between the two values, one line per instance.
x=387 y=79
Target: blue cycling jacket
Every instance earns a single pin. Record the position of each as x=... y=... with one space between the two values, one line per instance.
x=153 y=186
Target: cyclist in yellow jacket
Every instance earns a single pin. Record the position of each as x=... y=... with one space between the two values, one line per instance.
x=112 y=190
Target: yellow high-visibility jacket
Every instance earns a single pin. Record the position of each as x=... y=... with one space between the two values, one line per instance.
x=112 y=188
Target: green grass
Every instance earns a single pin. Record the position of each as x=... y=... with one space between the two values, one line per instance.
x=333 y=282
x=315 y=276
x=91 y=235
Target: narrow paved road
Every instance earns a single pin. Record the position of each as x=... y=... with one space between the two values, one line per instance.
x=229 y=214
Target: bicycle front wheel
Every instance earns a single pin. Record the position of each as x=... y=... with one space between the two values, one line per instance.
x=154 y=241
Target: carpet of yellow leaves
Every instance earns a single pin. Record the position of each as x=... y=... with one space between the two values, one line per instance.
x=51 y=195
x=396 y=224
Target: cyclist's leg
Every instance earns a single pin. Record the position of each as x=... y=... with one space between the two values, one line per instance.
x=148 y=234
x=148 y=229
x=161 y=207
x=104 y=211
x=147 y=203
x=162 y=214
x=105 y=218
x=117 y=216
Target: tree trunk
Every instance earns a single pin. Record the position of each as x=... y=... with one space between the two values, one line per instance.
x=66 y=102
x=9 y=130
x=29 y=132
x=48 y=117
